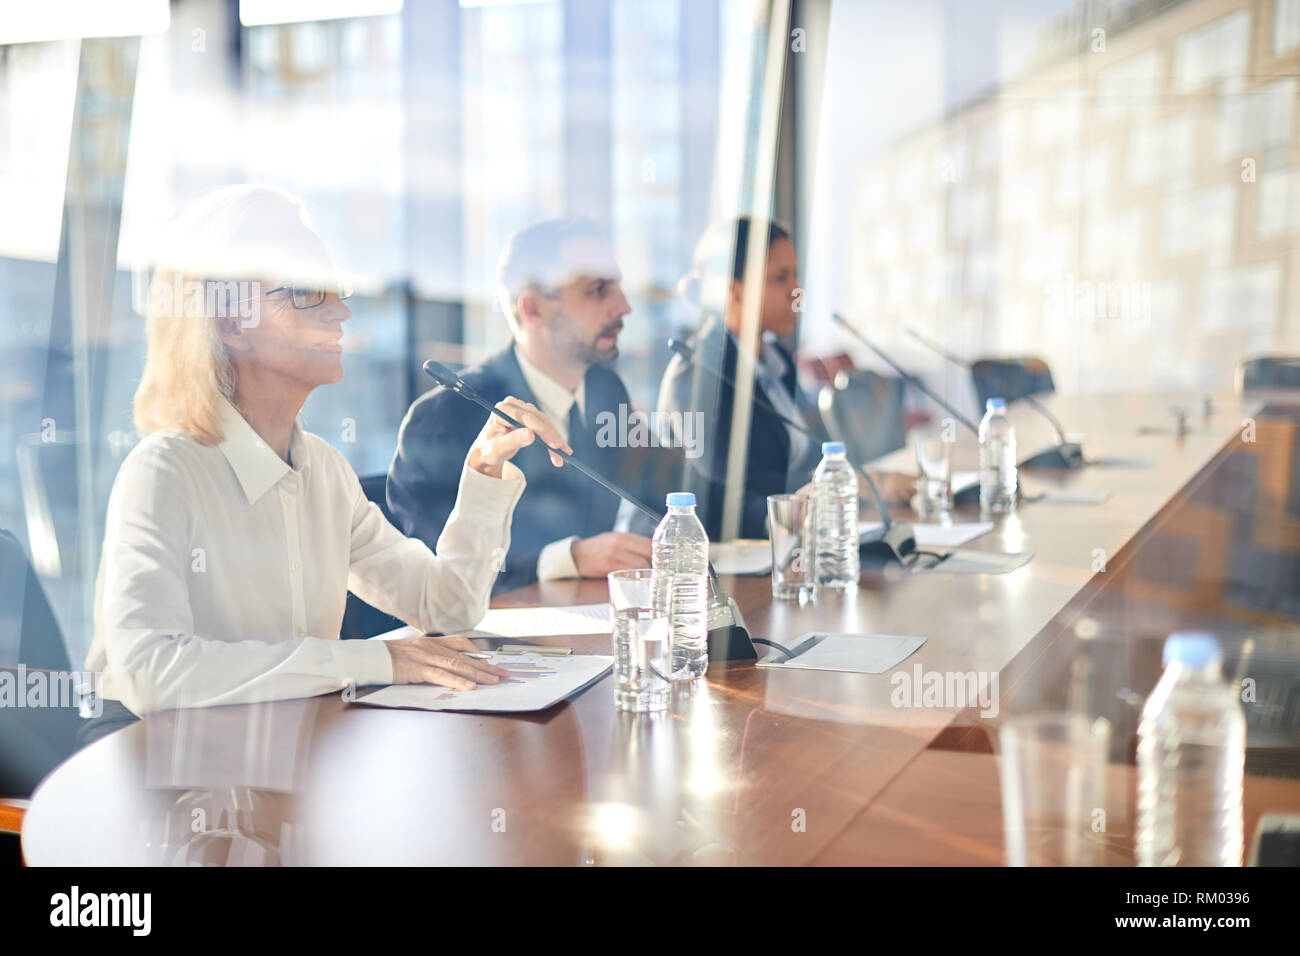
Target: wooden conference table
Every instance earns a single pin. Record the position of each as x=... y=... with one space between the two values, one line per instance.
x=750 y=766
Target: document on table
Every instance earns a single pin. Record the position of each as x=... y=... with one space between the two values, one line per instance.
x=544 y=621
x=537 y=681
x=1122 y=461
x=963 y=561
x=741 y=557
x=961 y=480
x=859 y=653
x=1063 y=497
x=937 y=535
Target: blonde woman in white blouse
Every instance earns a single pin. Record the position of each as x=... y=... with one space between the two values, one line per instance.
x=233 y=536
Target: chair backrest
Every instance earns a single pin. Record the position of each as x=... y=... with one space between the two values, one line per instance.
x=375 y=488
x=33 y=740
x=29 y=632
x=1269 y=371
x=1010 y=378
x=362 y=620
x=864 y=409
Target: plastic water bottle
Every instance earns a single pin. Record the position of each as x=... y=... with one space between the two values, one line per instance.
x=997 y=459
x=834 y=517
x=681 y=547
x=1191 y=751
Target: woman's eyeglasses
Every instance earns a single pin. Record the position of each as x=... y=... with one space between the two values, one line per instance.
x=305 y=297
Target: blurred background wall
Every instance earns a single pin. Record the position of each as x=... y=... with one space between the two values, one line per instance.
x=1114 y=186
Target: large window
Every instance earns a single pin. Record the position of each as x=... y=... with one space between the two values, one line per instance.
x=419 y=139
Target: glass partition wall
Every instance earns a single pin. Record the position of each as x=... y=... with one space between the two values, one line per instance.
x=419 y=135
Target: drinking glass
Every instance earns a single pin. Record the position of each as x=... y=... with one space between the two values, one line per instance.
x=934 y=476
x=640 y=602
x=1053 y=769
x=787 y=516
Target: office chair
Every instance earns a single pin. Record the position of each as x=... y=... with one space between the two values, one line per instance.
x=361 y=620
x=33 y=740
x=1268 y=371
x=864 y=409
x=29 y=631
x=11 y=828
x=1010 y=378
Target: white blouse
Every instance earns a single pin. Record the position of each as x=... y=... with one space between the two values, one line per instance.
x=225 y=572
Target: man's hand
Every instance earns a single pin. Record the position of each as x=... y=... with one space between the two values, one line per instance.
x=438 y=660
x=896 y=488
x=497 y=442
x=612 y=551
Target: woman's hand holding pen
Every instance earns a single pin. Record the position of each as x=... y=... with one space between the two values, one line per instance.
x=498 y=441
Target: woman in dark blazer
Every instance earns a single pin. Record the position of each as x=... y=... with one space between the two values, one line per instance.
x=780 y=458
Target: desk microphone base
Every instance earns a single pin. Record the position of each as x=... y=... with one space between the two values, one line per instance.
x=894 y=543
x=728 y=637
x=1068 y=455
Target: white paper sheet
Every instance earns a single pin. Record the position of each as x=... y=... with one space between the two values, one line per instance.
x=741 y=557
x=542 y=681
x=963 y=561
x=937 y=535
x=545 y=621
x=1076 y=497
x=859 y=653
x=961 y=480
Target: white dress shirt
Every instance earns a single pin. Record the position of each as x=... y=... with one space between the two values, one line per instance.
x=225 y=571
x=555 y=401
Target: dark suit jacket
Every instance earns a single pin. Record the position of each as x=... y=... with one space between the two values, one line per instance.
x=440 y=427
x=698 y=386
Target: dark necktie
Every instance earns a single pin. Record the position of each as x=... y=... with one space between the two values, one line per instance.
x=582 y=486
x=577 y=430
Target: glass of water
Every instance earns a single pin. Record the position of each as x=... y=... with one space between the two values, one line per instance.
x=1053 y=770
x=933 y=500
x=642 y=636
x=786 y=518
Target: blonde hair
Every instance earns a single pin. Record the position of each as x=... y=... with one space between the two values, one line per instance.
x=187 y=370
x=233 y=236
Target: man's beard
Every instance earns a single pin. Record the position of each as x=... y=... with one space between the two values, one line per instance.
x=592 y=354
x=596 y=356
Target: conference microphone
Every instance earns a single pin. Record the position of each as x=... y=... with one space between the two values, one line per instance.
x=449 y=379
x=1066 y=454
x=908 y=376
x=967 y=495
x=729 y=639
x=896 y=540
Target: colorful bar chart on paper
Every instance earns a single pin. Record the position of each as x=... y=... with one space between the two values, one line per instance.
x=535 y=683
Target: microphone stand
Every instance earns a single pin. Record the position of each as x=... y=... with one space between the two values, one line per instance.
x=896 y=541
x=966 y=495
x=728 y=637
x=908 y=376
x=1066 y=454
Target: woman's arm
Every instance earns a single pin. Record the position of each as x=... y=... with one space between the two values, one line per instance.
x=449 y=590
x=154 y=657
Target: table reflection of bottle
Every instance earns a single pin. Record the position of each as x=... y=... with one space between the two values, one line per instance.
x=660 y=800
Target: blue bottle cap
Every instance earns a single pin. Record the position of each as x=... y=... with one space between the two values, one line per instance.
x=832 y=448
x=1193 y=649
x=994 y=403
x=681 y=499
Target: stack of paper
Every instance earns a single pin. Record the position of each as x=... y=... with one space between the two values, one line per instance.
x=741 y=557
x=937 y=535
x=860 y=653
x=537 y=681
x=545 y=621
